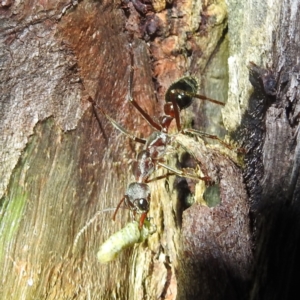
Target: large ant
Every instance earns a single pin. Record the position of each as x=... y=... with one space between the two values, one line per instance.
x=179 y=96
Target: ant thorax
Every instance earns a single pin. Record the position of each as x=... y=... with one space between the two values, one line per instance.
x=156 y=144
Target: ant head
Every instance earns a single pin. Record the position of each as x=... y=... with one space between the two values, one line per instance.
x=138 y=197
x=177 y=92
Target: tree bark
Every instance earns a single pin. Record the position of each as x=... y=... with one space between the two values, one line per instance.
x=59 y=168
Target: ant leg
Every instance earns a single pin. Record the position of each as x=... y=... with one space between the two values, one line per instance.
x=210 y=136
x=193 y=95
x=176 y=172
x=154 y=124
x=176 y=112
x=160 y=177
x=115 y=124
x=87 y=225
x=182 y=173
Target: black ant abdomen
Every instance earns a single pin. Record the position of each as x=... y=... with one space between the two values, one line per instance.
x=182 y=91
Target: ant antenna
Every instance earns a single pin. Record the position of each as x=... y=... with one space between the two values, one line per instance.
x=88 y=224
x=114 y=123
x=100 y=124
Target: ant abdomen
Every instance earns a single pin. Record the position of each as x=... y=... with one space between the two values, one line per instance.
x=181 y=91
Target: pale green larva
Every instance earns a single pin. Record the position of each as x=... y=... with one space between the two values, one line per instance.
x=122 y=239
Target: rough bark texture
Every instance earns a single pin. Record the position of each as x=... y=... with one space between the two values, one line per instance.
x=58 y=168
x=270 y=133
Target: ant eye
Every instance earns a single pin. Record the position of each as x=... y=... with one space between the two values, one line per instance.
x=142 y=205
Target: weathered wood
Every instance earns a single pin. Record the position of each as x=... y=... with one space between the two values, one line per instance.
x=270 y=131
x=61 y=179
x=58 y=170
x=82 y=51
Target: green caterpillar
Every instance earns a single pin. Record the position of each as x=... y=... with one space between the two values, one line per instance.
x=122 y=239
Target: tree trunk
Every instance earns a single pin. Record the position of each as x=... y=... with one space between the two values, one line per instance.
x=59 y=167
